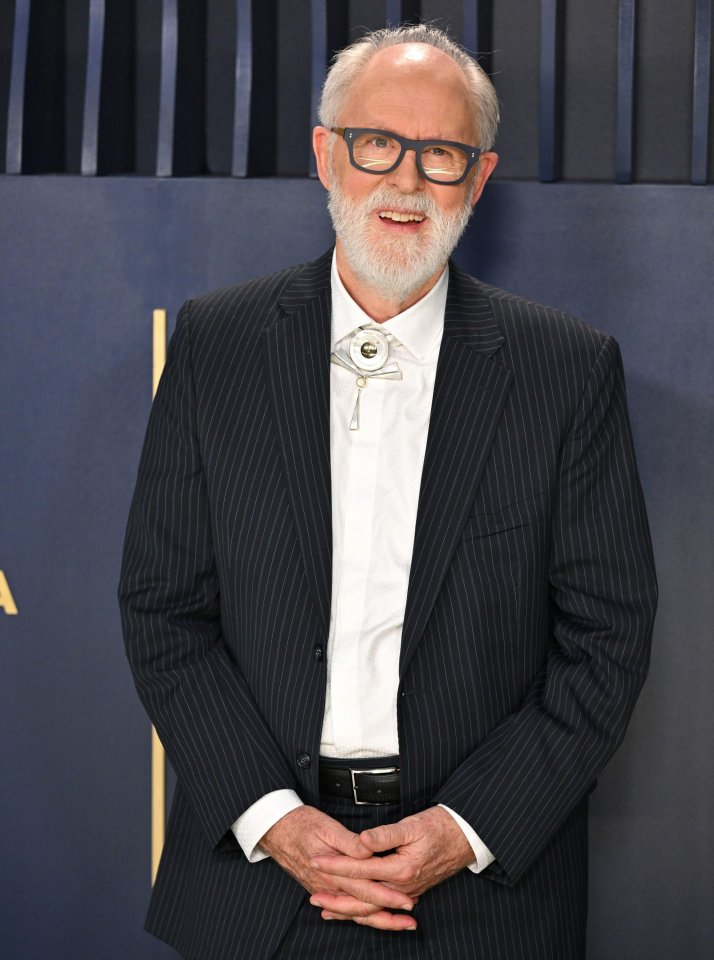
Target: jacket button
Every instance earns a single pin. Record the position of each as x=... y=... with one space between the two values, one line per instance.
x=304 y=761
x=317 y=653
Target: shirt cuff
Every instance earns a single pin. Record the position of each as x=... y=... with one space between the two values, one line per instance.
x=255 y=822
x=481 y=852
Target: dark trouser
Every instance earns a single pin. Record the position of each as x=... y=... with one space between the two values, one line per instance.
x=312 y=938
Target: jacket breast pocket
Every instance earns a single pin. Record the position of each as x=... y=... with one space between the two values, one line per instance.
x=521 y=513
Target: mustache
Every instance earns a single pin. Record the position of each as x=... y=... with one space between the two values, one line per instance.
x=387 y=198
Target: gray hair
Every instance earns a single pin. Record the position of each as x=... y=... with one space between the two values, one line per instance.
x=348 y=63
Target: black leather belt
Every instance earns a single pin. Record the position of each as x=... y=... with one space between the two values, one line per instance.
x=371 y=782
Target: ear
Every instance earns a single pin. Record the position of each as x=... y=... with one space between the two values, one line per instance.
x=486 y=165
x=320 y=145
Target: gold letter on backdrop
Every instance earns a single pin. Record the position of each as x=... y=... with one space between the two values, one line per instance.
x=158 y=758
x=7 y=602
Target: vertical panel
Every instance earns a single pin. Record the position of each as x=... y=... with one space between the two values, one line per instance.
x=393 y=12
x=625 y=91
x=516 y=68
x=702 y=86
x=589 y=86
x=167 y=92
x=476 y=30
x=92 y=88
x=318 y=63
x=549 y=127
x=664 y=68
x=16 y=99
x=243 y=87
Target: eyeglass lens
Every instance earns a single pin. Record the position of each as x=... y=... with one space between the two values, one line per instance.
x=378 y=153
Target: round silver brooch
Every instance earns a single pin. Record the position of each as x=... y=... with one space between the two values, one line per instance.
x=369 y=349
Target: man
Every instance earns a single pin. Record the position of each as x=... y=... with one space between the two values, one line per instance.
x=388 y=588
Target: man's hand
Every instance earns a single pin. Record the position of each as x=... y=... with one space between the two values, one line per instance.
x=305 y=834
x=428 y=847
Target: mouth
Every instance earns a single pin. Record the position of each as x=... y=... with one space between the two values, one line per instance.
x=401 y=220
x=399 y=216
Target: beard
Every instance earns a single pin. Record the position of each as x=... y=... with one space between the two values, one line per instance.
x=395 y=267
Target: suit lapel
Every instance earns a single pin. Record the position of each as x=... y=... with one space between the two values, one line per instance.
x=298 y=363
x=470 y=391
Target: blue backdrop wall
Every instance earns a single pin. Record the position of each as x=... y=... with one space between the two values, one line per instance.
x=82 y=264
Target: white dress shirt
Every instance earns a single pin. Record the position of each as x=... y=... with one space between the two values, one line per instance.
x=376 y=475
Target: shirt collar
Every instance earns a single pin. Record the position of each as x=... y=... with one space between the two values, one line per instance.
x=417 y=328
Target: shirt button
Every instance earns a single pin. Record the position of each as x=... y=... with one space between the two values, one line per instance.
x=304 y=761
x=317 y=653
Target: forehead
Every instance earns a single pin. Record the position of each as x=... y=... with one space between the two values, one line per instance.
x=413 y=89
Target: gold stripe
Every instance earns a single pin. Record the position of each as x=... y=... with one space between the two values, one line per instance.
x=159 y=348
x=158 y=757
x=158 y=801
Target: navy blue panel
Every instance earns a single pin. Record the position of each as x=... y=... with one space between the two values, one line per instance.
x=318 y=65
x=93 y=82
x=393 y=12
x=702 y=86
x=243 y=87
x=625 y=91
x=516 y=76
x=16 y=99
x=549 y=133
x=476 y=20
x=83 y=261
x=167 y=94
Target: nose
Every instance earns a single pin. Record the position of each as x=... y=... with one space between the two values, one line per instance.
x=406 y=176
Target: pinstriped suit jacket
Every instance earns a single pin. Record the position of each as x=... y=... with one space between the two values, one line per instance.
x=527 y=625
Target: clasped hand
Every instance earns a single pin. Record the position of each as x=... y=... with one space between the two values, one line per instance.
x=345 y=878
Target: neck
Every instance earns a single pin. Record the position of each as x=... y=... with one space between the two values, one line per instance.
x=374 y=304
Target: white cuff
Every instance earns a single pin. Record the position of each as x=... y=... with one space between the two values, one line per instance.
x=255 y=822
x=481 y=852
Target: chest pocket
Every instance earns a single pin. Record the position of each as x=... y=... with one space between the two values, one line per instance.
x=522 y=513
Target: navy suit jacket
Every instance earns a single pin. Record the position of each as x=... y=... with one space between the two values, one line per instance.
x=527 y=623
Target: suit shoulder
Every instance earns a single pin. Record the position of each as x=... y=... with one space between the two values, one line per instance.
x=252 y=300
x=536 y=324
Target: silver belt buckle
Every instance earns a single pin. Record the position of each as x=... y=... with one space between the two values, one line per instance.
x=369 y=803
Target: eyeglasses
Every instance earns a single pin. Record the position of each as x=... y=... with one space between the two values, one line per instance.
x=379 y=151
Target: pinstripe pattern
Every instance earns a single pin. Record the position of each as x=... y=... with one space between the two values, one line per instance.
x=526 y=629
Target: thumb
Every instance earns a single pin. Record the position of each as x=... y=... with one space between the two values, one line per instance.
x=350 y=844
x=387 y=837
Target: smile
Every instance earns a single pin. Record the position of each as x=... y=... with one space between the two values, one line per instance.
x=401 y=217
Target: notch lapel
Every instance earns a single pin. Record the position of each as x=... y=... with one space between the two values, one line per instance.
x=298 y=362
x=470 y=391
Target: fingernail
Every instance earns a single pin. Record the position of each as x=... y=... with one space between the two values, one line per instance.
x=315 y=903
x=406 y=906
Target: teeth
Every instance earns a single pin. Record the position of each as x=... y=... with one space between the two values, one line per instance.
x=400 y=217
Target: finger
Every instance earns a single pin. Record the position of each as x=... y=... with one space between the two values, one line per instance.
x=382 y=920
x=376 y=868
x=387 y=921
x=375 y=895
x=387 y=837
x=349 y=843
x=344 y=905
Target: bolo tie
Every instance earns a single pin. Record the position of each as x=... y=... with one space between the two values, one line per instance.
x=367 y=359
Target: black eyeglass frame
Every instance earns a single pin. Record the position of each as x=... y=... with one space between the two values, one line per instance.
x=418 y=146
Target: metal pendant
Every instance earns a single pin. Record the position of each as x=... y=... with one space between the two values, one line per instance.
x=369 y=349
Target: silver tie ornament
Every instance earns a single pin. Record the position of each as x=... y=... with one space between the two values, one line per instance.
x=367 y=358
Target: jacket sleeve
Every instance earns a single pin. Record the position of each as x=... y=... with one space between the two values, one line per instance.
x=530 y=772
x=218 y=742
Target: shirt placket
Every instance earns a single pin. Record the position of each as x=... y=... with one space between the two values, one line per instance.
x=353 y=588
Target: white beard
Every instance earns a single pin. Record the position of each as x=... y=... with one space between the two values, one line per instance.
x=395 y=267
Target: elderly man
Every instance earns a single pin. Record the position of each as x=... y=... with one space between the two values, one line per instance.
x=388 y=588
